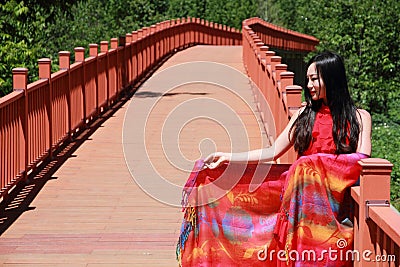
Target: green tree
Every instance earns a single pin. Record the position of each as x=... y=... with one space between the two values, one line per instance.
x=365 y=33
x=22 y=34
x=19 y=46
x=187 y=8
x=230 y=13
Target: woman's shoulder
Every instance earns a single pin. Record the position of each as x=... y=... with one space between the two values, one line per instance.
x=363 y=115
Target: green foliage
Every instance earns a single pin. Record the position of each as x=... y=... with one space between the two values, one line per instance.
x=20 y=35
x=386 y=144
x=93 y=21
x=23 y=26
x=187 y=8
x=230 y=13
x=365 y=33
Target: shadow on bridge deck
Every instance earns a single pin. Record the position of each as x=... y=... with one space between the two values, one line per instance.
x=90 y=211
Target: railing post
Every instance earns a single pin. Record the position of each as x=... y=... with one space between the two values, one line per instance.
x=258 y=61
x=64 y=59
x=375 y=172
x=80 y=57
x=201 y=29
x=293 y=103
x=193 y=31
x=230 y=40
x=45 y=74
x=283 y=79
x=224 y=38
x=122 y=42
x=128 y=57
x=94 y=52
x=144 y=50
x=79 y=54
x=195 y=28
x=213 y=38
x=219 y=38
x=153 y=47
x=185 y=32
x=171 y=36
x=168 y=37
x=179 y=35
x=280 y=68
x=20 y=82
x=286 y=79
x=64 y=64
x=114 y=45
x=104 y=49
x=268 y=58
x=262 y=77
x=208 y=37
x=148 y=48
x=158 y=42
x=293 y=97
x=275 y=60
x=135 y=55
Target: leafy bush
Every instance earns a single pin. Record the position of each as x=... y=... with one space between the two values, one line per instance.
x=386 y=144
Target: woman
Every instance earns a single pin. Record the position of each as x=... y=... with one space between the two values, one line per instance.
x=311 y=227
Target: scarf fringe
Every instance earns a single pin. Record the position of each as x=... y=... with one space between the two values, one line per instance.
x=190 y=217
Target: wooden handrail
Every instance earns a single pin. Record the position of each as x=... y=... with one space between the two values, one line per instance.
x=279 y=37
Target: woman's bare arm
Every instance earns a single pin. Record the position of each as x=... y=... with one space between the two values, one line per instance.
x=364 y=139
x=280 y=146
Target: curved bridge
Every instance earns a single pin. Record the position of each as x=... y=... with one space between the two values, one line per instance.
x=93 y=156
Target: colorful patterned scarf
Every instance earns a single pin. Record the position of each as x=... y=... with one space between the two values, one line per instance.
x=263 y=215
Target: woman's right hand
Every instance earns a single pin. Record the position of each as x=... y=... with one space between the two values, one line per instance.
x=213 y=160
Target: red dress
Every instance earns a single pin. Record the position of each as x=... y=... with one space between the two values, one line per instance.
x=289 y=220
x=322 y=139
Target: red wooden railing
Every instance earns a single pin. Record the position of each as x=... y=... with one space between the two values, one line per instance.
x=37 y=118
x=376 y=223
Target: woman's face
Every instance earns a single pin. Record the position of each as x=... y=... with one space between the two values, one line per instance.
x=315 y=84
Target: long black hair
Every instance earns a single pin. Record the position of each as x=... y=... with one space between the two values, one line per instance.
x=346 y=128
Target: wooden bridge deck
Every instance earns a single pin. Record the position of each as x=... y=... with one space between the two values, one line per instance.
x=85 y=209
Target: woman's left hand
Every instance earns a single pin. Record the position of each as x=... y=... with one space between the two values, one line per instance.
x=213 y=160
